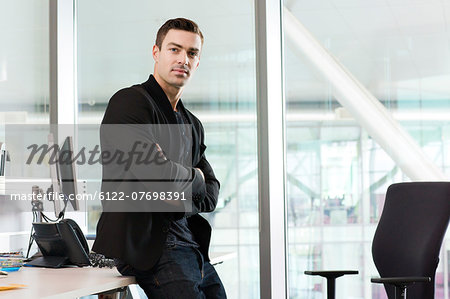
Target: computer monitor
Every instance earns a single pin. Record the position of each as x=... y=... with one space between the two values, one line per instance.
x=54 y=174
x=67 y=172
x=63 y=173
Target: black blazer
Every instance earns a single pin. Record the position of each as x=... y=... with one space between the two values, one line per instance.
x=138 y=238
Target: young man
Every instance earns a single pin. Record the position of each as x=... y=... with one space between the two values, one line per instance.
x=166 y=252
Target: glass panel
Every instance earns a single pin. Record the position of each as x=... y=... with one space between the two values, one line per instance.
x=24 y=62
x=24 y=94
x=115 y=40
x=337 y=175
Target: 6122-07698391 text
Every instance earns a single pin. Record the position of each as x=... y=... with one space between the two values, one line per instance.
x=107 y=196
x=142 y=195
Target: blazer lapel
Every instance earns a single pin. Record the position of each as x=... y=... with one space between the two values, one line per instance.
x=159 y=96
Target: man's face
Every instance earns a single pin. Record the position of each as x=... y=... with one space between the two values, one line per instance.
x=178 y=57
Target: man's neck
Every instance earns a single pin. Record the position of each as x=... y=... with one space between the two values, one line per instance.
x=172 y=93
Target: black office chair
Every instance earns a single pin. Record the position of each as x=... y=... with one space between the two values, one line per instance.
x=408 y=238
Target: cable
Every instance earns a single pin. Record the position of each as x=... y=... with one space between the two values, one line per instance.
x=38 y=210
x=60 y=215
x=30 y=241
x=47 y=219
x=66 y=200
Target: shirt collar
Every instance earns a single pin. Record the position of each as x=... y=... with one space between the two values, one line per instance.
x=160 y=97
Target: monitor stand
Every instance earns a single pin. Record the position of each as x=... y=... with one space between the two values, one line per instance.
x=48 y=262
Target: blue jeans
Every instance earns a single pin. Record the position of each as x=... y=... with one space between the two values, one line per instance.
x=181 y=272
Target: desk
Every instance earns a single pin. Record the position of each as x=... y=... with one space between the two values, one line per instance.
x=219 y=257
x=63 y=283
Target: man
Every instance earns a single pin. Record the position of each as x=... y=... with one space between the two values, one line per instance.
x=166 y=252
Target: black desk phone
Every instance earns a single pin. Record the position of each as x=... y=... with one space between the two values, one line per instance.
x=61 y=243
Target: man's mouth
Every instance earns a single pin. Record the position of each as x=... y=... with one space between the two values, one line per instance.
x=180 y=71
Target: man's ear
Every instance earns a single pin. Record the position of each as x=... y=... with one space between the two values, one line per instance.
x=155 y=53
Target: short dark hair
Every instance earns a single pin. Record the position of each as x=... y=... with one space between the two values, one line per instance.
x=179 y=24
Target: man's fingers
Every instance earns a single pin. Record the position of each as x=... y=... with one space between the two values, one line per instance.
x=201 y=172
x=161 y=153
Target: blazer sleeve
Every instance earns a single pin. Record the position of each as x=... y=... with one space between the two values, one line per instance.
x=207 y=189
x=130 y=109
x=127 y=106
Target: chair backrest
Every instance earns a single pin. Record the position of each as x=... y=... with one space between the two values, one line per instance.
x=410 y=232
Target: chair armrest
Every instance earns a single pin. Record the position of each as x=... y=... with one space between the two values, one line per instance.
x=332 y=274
x=401 y=281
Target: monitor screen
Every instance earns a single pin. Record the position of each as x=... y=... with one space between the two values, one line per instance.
x=54 y=173
x=67 y=172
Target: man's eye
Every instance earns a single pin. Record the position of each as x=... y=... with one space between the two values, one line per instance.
x=173 y=49
x=193 y=54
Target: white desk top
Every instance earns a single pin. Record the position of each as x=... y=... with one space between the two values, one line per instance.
x=62 y=283
x=74 y=282
x=219 y=257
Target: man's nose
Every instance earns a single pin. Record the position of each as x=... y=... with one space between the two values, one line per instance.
x=183 y=58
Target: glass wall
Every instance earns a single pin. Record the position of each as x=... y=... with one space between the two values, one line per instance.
x=337 y=175
x=115 y=40
x=24 y=61
x=24 y=92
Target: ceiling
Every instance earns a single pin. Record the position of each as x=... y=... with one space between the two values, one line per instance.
x=398 y=49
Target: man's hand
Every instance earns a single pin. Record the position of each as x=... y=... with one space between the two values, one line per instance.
x=160 y=152
x=201 y=172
